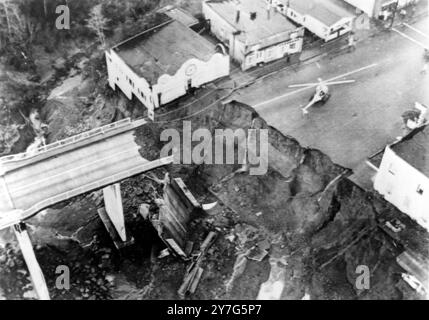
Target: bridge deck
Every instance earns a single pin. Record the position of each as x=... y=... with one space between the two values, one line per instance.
x=31 y=183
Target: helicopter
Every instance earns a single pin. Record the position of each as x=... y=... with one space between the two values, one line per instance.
x=321 y=94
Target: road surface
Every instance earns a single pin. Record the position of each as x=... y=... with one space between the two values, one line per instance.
x=360 y=118
x=90 y=161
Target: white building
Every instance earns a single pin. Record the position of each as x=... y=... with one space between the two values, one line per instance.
x=327 y=19
x=403 y=175
x=253 y=32
x=379 y=9
x=163 y=63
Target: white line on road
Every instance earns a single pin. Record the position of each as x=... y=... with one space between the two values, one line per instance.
x=303 y=89
x=411 y=39
x=416 y=30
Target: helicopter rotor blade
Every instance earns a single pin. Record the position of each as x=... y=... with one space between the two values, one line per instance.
x=340 y=82
x=303 y=85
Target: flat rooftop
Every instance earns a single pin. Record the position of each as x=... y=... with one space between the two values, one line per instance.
x=328 y=12
x=414 y=149
x=163 y=49
x=266 y=23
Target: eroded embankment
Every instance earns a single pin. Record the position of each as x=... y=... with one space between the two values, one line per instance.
x=326 y=224
x=315 y=225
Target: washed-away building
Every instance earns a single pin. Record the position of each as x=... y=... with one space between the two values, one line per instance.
x=403 y=175
x=164 y=63
x=327 y=19
x=252 y=31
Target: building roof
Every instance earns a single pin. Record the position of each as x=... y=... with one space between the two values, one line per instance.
x=328 y=12
x=414 y=149
x=180 y=15
x=163 y=50
x=266 y=23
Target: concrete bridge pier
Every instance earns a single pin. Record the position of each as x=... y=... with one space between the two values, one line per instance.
x=112 y=216
x=36 y=273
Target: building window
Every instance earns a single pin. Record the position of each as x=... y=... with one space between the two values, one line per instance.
x=250 y=59
x=292 y=45
x=420 y=190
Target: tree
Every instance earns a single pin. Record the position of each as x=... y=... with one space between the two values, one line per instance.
x=98 y=23
x=15 y=22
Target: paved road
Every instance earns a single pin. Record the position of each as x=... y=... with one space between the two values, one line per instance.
x=360 y=118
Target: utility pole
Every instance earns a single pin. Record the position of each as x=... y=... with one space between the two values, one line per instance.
x=395 y=8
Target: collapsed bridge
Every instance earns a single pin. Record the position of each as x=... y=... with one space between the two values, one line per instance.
x=99 y=158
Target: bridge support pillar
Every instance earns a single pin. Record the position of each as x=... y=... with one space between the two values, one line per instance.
x=113 y=215
x=36 y=273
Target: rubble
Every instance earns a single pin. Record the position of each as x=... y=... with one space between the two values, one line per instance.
x=194 y=270
x=144 y=210
x=164 y=253
x=272 y=289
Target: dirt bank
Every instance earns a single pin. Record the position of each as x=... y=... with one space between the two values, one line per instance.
x=318 y=224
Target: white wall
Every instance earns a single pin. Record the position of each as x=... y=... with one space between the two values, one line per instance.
x=272 y=53
x=398 y=182
x=346 y=23
x=294 y=16
x=119 y=74
x=198 y=72
x=318 y=28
